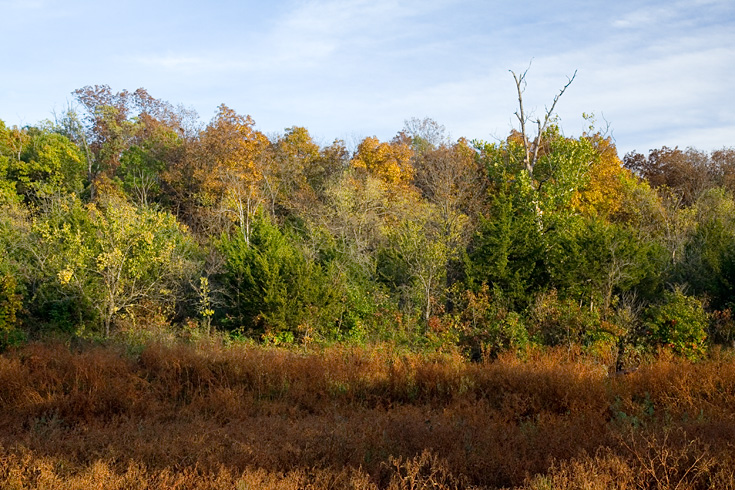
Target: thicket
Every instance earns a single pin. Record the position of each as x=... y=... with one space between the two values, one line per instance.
x=128 y=215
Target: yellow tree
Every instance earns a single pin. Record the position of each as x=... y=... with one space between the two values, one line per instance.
x=110 y=257
x=286 y=170
x=232 y=177
x=390 y=162
x=602 y=196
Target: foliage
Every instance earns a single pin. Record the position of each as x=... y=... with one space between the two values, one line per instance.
x=142 y=164
x=487 y=326
x=561 y=170
x=11 y=304
x=230 y=175
x=561 y=321
x=507 y=253
x=390 y=162
x=273 y=288
x=708 y=262
x=723 y=327
x=49 y=164
x=117 y=121
x=601 y=196
x=543 y=235
x=687 y=173
x=109 y=257
x=594 y=261
x=679 y=323
x=415 y=260
x=564 y=169
x=37 y=163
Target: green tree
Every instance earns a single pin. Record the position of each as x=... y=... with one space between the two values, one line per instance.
x=11 y=303
x=594 y=261
x=708 y=260
x=507 y=253
x=142 y=164
x=49 y=164
x=532 y=146
x=273 y=289
x=415 y=258
x=8 y=157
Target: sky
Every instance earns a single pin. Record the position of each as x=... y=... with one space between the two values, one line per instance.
x=653 y=73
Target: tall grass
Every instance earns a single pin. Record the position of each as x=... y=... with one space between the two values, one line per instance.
x=209 y=416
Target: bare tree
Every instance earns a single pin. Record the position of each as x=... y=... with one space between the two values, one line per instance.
x=532 y=146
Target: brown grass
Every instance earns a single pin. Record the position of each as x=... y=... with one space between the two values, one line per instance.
x=207 y=416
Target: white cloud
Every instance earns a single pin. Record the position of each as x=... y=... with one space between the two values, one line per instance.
x=346 y=66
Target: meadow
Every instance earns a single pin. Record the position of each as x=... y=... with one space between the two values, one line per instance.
x=212 y=416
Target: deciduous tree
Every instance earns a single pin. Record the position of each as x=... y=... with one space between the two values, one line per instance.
x=231 y=175
x=110 y=256
x=390 y=162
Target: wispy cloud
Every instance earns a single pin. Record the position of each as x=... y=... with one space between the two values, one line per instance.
x=645 y=17
x=339 y=67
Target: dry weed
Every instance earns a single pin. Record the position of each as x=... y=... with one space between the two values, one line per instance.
x=208 y=416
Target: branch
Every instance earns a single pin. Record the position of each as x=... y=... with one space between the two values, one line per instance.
x=547 y=117
x=520 y=87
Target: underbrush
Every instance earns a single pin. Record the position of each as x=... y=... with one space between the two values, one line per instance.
x=206 y=415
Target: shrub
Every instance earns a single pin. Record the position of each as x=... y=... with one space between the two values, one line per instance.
x=10 y=305
x=272 y=287
x=562 y=321
x=101 y=261
x=679 y=323
x=723 y=327
x=488 y=327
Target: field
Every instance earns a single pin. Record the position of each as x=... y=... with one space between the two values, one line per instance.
x=207 y=416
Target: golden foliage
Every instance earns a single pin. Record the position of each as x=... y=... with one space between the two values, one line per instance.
x=390 y=162
x=232 y=146
x=602 y=196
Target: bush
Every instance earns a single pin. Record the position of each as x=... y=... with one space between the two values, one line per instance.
x=679 y=323
x=98 y=262
x=10 y=305
x=488 y=327
x=562 y=321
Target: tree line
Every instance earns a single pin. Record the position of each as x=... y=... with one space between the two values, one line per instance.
x=128 y=213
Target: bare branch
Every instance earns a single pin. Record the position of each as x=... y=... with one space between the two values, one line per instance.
x=532 y=148
x=520 y=87
x=547 y=117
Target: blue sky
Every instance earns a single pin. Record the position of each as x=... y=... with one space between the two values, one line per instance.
x=658 y=72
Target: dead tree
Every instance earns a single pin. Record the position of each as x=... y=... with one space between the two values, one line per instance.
x=532 y=146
